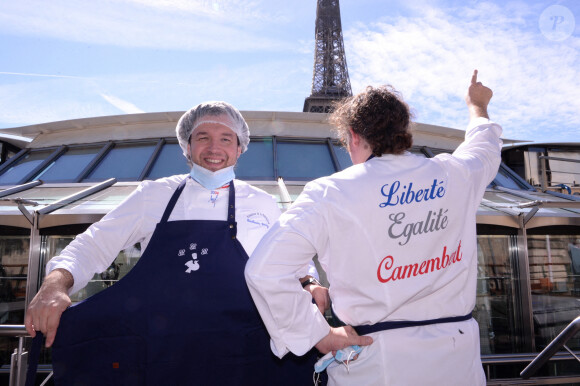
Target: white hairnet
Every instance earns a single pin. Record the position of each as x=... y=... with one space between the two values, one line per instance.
x=212 y=112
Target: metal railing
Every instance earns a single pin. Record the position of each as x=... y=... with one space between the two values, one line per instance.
x=545 y=169
x=555 y=345
x=19 y=359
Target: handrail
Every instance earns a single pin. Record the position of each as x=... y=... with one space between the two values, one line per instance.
x=13 y=330
x=559 y=159
x=19 y=360
x=19 y=330
x=544 y=169
x=552 y=348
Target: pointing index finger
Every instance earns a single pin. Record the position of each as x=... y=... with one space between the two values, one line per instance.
x=474 y=77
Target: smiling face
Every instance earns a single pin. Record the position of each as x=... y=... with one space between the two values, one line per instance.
x=213 y=146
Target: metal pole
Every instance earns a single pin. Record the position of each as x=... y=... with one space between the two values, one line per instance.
x=32 y=277
x=524 y=286
x=552 y=348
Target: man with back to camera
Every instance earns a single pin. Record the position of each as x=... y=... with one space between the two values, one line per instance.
x=183 y=314
x=396 y=235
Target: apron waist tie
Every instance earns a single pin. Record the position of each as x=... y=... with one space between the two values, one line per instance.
x=392 y=325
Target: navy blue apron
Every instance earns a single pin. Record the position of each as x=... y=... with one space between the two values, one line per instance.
x=182 y=316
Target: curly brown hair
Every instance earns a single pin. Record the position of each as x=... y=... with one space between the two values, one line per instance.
x=379 y=115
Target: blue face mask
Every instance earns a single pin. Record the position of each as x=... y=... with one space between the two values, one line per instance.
x=212 y=180
x=343 y=356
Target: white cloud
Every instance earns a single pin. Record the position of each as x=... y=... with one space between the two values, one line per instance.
x=47 y=100
x=277 y=85
x=429 y=58
x=241 y=12
x=124 y=106
x=179 y=25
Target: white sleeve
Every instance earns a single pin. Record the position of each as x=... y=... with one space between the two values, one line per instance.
x=478 y=158
x=267 y=203
x=94 y=250
x=294 y=323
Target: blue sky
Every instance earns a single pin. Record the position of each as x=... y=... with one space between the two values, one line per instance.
x=65 y=59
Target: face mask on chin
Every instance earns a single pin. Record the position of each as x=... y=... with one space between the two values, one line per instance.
x=212 y=180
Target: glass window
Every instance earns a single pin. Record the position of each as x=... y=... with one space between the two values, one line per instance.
x=124 y=162
x=16 y=173
x=303 y=161
x=273 y=190
x=565 y=170
x=497 y=306
x=103 y=201
x=257 y=163
x=294 y=191
x=342 y=156
x=44 y=195
x=68 y=166
x=555 y=285
x=123 y=263
x=7 y=151
x=170 y=161
x=14 y=251
x=505 y=179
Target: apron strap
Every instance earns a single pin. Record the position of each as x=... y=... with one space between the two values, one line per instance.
x=382 y=326
x=33 y=356
x=231 y=206
x=232 y=211
x=173 y=200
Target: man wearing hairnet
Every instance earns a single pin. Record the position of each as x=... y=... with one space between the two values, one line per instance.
x=183 y=314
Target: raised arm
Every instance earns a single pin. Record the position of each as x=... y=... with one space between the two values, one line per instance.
x=477 y=98
x=479 y=156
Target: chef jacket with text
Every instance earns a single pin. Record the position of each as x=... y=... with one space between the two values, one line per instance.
x=396 y=236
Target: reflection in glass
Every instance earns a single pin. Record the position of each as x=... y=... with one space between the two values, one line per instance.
x=124 y=162
x=47 y=195
x=495 y=309
x=257 y=163
x=24 y=166
x=68 y=166
x=303 y=161
x=342 y=156
x=104 y=201
x=555 y=285
x=170 y=161
x=503 y=178
x=294 y=191
x=273 y=190
x=14 y=251
x=123 y=263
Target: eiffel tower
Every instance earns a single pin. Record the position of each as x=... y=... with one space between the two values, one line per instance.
x=330 y=80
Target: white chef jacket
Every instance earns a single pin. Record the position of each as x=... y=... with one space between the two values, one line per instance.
x=134 y=221
x=396 y=236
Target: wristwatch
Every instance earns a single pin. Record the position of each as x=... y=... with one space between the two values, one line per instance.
x=310 y=280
